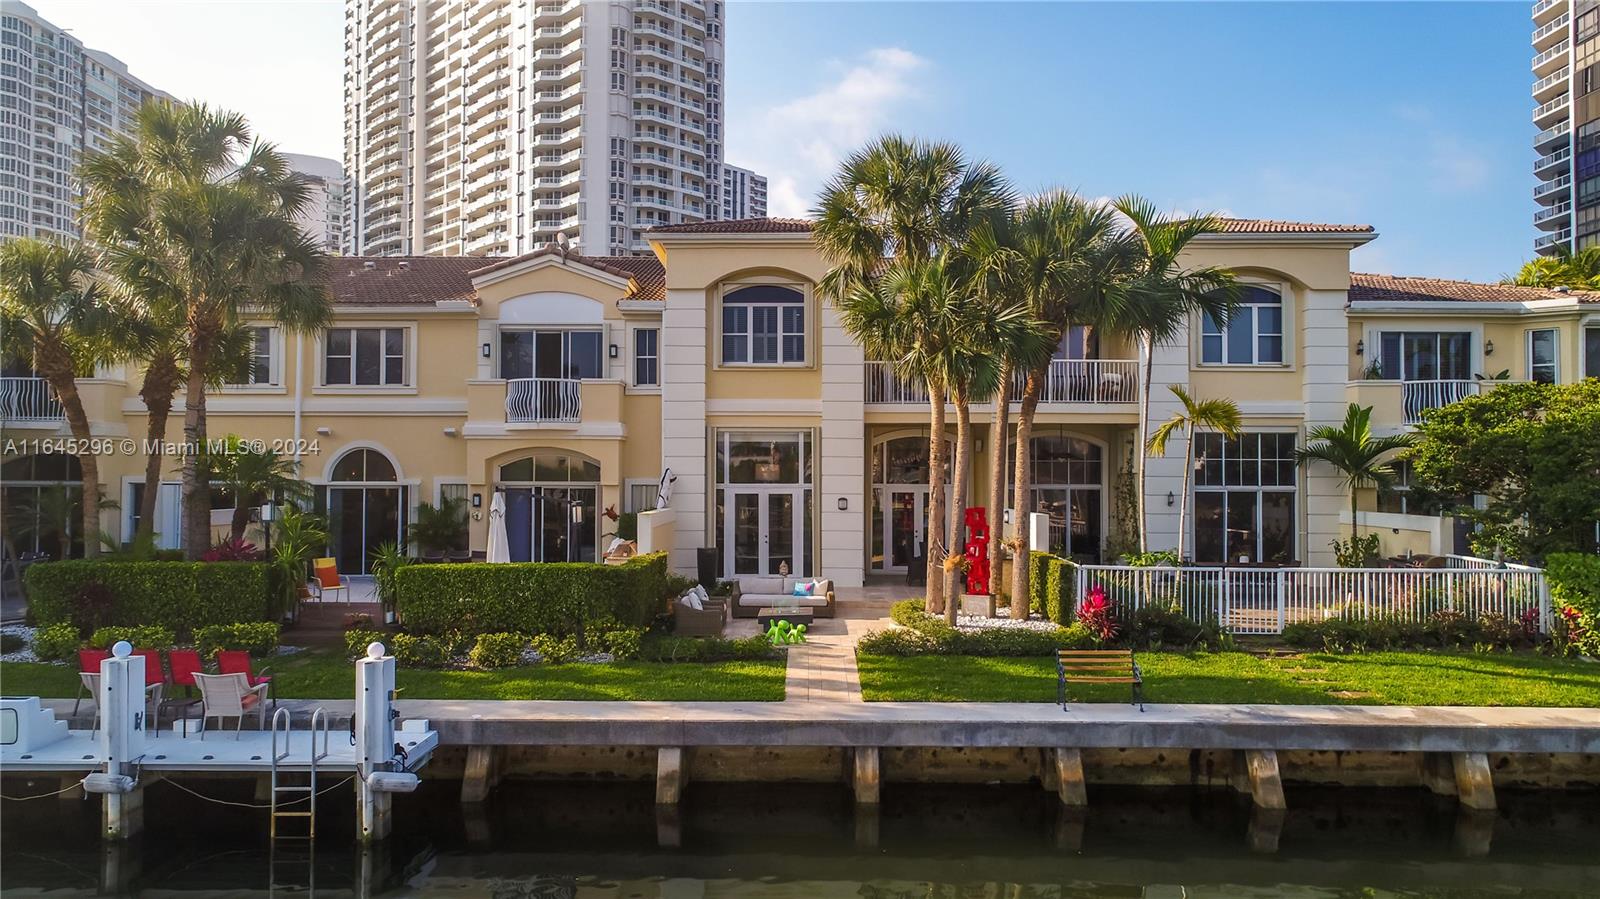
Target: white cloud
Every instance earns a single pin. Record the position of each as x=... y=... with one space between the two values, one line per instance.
x=1457 y=167
x=798 y=143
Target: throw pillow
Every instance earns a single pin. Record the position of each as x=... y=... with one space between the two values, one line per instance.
x=692 y=600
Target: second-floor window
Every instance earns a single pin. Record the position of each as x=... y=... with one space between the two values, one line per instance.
x=1253 y=335
x=1542 y=356
x=364 y=357
x=646 y=357
x=257 y=368
x=1425 y=355
x=764 y=324
x=560 y=354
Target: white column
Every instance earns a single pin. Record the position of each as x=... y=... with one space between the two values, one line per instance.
x=1325 y=369
x=683 y=420
x=843 y=456
x=374 y=731
x=121 y=737
x=1164 y=474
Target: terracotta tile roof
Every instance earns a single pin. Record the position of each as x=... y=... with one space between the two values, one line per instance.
x=1404 y=289
x=1273 y=226
x=426 y=280
x=738 y=226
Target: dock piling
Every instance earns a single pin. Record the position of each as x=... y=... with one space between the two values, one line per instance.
x=865 y=774
x=1070 y=785
x=1266 y=786
x=121 y=739
x=1474 y=781
x=482 y=772
x=374 y=730
x=671 y=775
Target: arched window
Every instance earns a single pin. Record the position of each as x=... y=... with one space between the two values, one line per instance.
x=552 y=500
x=1253 y=335
x=552 y=468
x=364 y=465
x=764 y=324
x=1067 y=475
x=365 y=508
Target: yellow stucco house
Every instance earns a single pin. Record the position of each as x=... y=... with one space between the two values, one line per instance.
x=573 y=384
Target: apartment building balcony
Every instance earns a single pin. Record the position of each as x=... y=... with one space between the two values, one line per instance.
x=387 y=192
x=1551 y=31
x=552 y=225
x=1397 y=403
x=481 y=204
x=1551 y=59
x=652 y=180
x=1544 y=10
x=558 y=138
x=556 y=159
x=493 y=139
x=1068 y=381
x=1546 y=140
x=564 y=201
x=490 y=160
x=486 y=181
x=650 y=27
x=556 y=10
x=542 y=402
x=492 y=16
x=482 y=111
x=1551 y=241
x=487 y=66
x=29 y=401
x=1553 y=217
x=564 y=180
x=547 y=98
x=1548 y=113
x=551 y=54
x=493 y=242
x=386 y=13
x=656 y=50
x=1553 y=191
x=490 y=222
x=1552 y=164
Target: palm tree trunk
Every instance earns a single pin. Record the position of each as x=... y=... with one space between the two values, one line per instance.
x=936 y=512
x=1144 y=434
x=1019 y=499
x=241 y=516
x=196 y=486
x=161 y=380
x=1183 y=498
x=59 y=374
x=953 y=590
x=997 y=481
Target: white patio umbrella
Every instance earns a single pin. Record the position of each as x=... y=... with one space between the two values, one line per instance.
x=499 y=547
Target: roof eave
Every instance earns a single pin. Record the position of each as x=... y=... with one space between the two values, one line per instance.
x=1334 y=239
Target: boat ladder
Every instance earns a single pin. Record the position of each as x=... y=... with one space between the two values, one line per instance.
x=305 y=805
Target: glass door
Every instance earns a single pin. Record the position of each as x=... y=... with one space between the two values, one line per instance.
x=905 y=526
x=765 y=530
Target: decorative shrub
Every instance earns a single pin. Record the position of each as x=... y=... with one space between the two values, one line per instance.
x=1571 y=634
x=938 y=638
x=1574 y=581
x=498 y=650
x=356 y=642
x=1444 y=629
x=622 y=643
x=909 y=612
x=1098 y=615
x=92 y=606
x=179 y=596
x=706 y=649
x=1051 y=581
x=259 y=638
x=150 y=636
x=57 y=642
x=424 y=651
x=557 y=598
x=1165 y=626
x=554 y=650
x=235 y=550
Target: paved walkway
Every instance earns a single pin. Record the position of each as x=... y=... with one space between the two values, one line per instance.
x=823 y=669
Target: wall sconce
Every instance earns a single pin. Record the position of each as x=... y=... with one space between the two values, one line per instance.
x=450 y=432
x=324 y=431
x=486 y=350
x=844 y=504
x=612 y=351
x=477 y=500
x=1488 y=348
x=1172 y=499
x=1361 y=347
x=978 y=445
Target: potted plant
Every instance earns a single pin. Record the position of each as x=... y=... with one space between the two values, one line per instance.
x=299 y=537
x=387 y=560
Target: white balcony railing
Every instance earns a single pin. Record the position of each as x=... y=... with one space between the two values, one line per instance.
x=28 y=399
x=1261 y=600
x=1551 y=27
x=1087 y=381
x=1550 y=107
x=1551 y=159
x=885 y=386
x=1559 y=129
x=1564 y=236
x=1420 y=396
x=1557 y=77
x=543 y=399
x=1558 y=50
x=1560 y=210
x=1555 y=185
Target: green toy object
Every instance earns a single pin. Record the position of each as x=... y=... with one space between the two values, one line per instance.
x=782 y=633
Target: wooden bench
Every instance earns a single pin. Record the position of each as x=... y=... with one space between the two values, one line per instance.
x=1098 y=666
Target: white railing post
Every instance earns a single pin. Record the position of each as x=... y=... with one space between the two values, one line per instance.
x=1280 y=577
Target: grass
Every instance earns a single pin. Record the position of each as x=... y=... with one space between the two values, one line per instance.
x=327 y=675
x=1380 y=678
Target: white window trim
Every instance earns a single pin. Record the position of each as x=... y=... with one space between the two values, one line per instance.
x=807 y=306
x=499 y=355
x=1555 y=352
x=1300 y=512
x=275 y=373
x=1286 y=339
x=320 y=360
x=633 y=358
x=439 y=483
x=627 y=491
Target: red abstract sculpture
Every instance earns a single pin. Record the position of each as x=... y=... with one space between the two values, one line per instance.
x=977 y=551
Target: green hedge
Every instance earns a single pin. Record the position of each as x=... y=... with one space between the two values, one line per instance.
x=530 y=597
x=179 y=596
x=1574 y=581
x=1051 y=580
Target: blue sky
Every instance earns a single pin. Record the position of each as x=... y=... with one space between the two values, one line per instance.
x=1412 y=117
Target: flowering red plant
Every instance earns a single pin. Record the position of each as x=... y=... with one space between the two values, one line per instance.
x=239 y=550
x=1098 y=615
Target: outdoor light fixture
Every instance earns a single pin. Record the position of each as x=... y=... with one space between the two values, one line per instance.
x=1488 y=348
x=844 y=504
x=487 y=349
x=1361 y=347
x=324 y=431
x=1172 y=499
x=477 y=500
x=612 y=351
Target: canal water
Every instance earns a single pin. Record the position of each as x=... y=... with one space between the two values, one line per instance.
x=608 y=841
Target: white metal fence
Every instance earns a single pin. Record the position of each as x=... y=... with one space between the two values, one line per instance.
x=1420 y=396
x=28 y=399
x=1087 y=381
x=543 y=399
x=1265 y=600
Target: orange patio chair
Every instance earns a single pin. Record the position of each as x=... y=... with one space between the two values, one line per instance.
x=327 y=580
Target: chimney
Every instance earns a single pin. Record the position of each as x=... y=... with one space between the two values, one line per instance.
x=369 y=265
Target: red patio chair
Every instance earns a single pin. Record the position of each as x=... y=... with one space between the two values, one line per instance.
x=88 y=663
x=155 y=679
x=185 y=664
x=237 y=661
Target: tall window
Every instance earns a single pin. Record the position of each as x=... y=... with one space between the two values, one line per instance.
x=257 y=369
x=1244 y=498
x=1426 y=355
x=1253 y=335
x=550 y=354
x=764 y=325
x=365 y=357
x=646 y=368
x=1542 y=356
x=1591 y=353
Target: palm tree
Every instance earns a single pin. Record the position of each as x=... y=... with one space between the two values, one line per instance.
x=56 y=315
x=906 y=200
x=1066 y=263
x=254 y=474
x=1361 y=459
x=442 y=527
x=1163 y=297
x=1580 y=270
x=1211 y=415
x=197 y=221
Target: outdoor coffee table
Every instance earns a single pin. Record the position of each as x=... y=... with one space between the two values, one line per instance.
x=791 y=614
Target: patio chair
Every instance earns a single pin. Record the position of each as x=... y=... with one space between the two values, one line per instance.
x=89 y=682
x=88 y=663
x=224 y=696
x=463 y=555
x=328 y=580
x=155 y=679
x=184 y=665
x=237 y=661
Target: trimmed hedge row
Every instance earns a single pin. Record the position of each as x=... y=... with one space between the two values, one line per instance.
x=1575 y=581
x=179 y=596
x=530 y=597
x=1051 y=581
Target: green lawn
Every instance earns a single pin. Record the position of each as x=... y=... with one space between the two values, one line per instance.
x=326 y=675
x=1383 y=678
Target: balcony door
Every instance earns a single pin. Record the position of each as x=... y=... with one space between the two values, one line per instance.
x=764 y=527
x=1427 y=355
x=550 y=353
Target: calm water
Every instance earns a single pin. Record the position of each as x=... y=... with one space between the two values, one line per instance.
x=602 y=841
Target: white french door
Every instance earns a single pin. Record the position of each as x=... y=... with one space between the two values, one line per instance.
x=763 y=529
x=905 y=524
